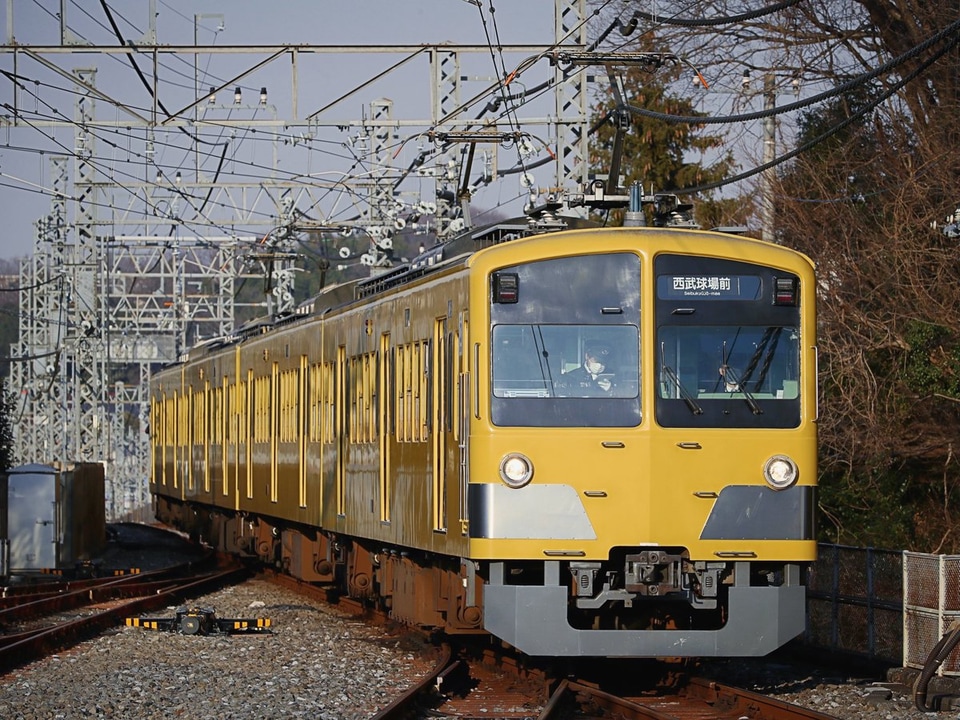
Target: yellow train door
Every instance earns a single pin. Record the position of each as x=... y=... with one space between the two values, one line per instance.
x=439 y=401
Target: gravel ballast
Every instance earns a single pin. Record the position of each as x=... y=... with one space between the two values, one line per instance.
x=847 y=694
x=316 y=663
x=320 y=663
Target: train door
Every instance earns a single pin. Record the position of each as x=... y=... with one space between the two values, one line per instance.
x=156 y=440
x=246 y=428
x=221 y=430
x=198 y=439
x=301 y=420
x=181 y=401
x=439 y=400
x=327 y=431
x=235 y=413
x=204 y=419
x=343 y=439
x=170 y=441
x=229 y=435
x=166 y=439
x=384 y=400
x=274 y=405
x=462 y=415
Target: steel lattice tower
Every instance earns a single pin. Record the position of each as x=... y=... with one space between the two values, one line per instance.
x=113 y=293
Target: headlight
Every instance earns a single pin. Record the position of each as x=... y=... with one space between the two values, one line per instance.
x=780 y=472
x=516 y=470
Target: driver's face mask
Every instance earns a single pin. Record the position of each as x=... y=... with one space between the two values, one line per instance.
x=594 y=367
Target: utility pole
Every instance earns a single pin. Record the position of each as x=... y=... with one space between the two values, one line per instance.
x=571 y=99
x=768 y=231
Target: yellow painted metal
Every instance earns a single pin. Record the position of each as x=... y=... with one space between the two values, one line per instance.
x=643 y=493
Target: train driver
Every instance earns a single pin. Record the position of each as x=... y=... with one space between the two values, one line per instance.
x=591 y=378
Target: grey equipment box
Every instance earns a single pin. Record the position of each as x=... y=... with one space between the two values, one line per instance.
x=56 y=517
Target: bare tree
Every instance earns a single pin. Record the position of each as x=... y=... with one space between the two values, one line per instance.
x=810 y=52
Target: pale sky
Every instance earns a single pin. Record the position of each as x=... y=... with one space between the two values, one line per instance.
x=25 y=168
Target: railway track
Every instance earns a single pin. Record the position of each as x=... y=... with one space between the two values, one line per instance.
x=463 y=683
x=35 y=624
x=498 y=695
x=461 y=686
x=697 y=700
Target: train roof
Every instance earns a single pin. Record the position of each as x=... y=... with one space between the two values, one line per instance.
x=431 y=260
x=458 y=248
x=439 y=256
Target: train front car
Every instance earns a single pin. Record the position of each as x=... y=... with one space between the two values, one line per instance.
x=642 y=469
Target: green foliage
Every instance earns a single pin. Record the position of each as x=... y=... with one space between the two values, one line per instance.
x=932 y=362
x=842 y=166
x=868 y=509
x=888 y=333
x=853 y=138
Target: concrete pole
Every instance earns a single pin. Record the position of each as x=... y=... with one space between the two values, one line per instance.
x=769 y=150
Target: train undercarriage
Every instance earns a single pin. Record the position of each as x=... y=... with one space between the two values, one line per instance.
x=642 y=603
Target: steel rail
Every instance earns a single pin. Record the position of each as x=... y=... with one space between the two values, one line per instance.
x=720 y=702
x=50 y=584
x=31 y=645
x=88 y=592
x=402 y=705
x=741 y=701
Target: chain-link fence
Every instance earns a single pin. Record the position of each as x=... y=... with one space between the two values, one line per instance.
x=931 y=604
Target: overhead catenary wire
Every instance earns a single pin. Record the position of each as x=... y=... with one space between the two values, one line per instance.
x=116 y=32
x=834 y=129
x=101 y=165
x=220 y=158
x=836 y=91
x=195 y=138
x=103 y=135
x=139 y=72
x=507 y=106
x=716 y=21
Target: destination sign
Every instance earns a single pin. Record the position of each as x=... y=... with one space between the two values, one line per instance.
x=708 y=287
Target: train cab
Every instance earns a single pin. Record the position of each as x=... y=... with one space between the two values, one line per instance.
x=643 y=460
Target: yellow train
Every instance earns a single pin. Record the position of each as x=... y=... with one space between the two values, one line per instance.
x=590 y=442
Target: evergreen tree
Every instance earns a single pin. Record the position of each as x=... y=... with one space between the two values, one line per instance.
x=663 y=157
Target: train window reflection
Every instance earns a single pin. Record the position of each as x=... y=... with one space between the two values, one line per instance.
x=566 y=375
x=728 y=376
x=542 y=360
x=723 y=361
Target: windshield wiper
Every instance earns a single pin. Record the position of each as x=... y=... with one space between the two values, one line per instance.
x=684 y=393
x=734 y=384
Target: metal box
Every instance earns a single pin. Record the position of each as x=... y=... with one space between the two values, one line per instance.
x=56 y=517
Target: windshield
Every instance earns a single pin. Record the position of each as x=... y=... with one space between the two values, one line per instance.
x=719 y=361
x=553 y=361
x=566 y=375
x=754 y=368
x=727 y=344
x=565 y=342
